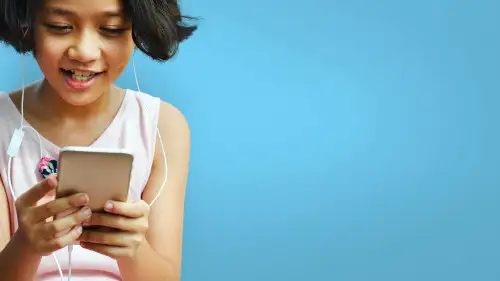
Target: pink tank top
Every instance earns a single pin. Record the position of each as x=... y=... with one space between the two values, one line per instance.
x=133 y=128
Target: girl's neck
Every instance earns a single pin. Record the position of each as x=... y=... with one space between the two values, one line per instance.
x=50 y=101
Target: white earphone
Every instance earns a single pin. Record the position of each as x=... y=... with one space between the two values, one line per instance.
x=15 y=145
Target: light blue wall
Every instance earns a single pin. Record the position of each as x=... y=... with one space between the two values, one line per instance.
x=336 y=140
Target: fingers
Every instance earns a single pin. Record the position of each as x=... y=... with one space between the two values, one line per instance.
x=57 y=227
x=46 y=247
x=110 y=251
x=119 y=222
x=115 y=238
x=132 y=210
x=130 y=218
x=37 y=192
x=65 y=240
x=58 y=206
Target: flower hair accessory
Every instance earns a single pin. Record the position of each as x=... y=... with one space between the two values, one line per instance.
x=47 y=166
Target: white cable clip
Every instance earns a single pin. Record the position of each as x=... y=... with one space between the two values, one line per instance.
x=15 y=142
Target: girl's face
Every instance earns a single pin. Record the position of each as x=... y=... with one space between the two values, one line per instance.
x=82 y=47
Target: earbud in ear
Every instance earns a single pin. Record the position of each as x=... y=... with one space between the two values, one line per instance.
x=25 y=27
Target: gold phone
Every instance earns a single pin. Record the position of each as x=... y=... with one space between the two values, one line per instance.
x=102 y=174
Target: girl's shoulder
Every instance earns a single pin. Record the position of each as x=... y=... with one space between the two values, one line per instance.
x=10 y=101
x=7 y=104
x=142 y=97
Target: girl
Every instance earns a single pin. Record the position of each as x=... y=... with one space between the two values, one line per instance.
x=81 y=48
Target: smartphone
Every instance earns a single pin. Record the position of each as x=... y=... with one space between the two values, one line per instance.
x=102 y=174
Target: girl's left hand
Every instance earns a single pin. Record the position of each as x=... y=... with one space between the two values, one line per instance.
x=131 y=223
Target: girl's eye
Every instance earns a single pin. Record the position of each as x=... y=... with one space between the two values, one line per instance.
x=59 y=28
x=66 y=28
x=113 y=31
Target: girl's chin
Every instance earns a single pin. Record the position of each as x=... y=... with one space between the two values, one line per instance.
x=80 y=98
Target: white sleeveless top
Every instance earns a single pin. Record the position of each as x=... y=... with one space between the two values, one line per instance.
x=133 y=128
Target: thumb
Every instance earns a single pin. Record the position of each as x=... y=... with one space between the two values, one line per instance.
x=37 y=192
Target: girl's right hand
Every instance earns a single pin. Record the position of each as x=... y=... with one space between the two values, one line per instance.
x=46 y=236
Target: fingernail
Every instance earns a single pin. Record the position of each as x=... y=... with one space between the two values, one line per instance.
x=52 y=181
x=78 y=229
x=108 y=206
x=84 y=198
x=86 y=211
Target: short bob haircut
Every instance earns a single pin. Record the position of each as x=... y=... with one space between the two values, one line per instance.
x=157 y=25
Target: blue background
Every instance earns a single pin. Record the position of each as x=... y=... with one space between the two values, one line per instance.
x=335 y=140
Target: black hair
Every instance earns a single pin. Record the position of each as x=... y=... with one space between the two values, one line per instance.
x=157 y=25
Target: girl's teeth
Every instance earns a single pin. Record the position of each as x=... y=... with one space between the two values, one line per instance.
x=80 y=78
x=79 y=73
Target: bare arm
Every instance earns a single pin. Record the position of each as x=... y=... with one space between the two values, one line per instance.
x=17 y=260
x=159 y=256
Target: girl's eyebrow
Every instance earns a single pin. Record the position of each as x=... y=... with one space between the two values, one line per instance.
x=59 y=11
